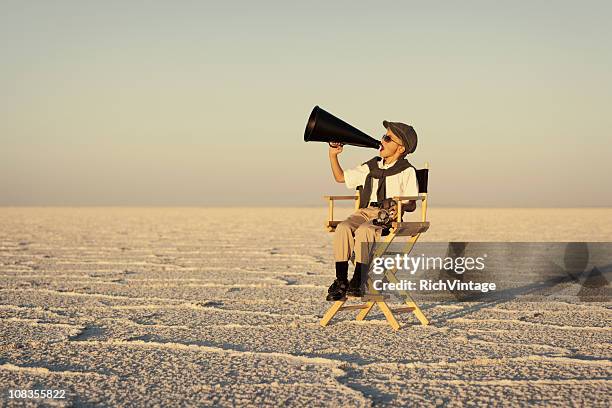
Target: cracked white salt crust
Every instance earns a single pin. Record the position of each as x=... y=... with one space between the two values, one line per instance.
x=220 y=307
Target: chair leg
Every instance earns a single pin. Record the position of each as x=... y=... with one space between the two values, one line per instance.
x=417 y=312
x=364 y=312
x=383 y=245
x=409 y=301
x=331 y=312
x=389 y=315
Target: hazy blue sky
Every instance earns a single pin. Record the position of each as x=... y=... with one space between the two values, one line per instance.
x=205 y=103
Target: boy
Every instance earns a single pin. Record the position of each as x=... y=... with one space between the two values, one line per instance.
x=382 y=177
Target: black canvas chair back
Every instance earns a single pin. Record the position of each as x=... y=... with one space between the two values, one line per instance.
x=422 y=179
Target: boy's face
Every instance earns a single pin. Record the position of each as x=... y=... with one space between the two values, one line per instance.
x=391 y=147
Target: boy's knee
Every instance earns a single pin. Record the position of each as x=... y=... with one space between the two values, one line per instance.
x=343 y=227
x=365 y=232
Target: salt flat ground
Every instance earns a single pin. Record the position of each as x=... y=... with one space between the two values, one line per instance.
x=220 y=307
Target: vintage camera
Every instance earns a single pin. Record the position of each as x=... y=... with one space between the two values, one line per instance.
x=387 y=213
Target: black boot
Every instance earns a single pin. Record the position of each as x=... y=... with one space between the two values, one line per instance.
x=355 y=285
x=338 y=288
x=341 y=276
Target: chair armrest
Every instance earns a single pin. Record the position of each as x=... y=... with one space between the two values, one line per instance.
x=331 y=224
x=402 y=198
x=410 y=206
x=351 y=197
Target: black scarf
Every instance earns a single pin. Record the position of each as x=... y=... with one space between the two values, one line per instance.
x=380 y=174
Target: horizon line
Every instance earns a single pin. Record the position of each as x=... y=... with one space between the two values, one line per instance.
x=280 y=206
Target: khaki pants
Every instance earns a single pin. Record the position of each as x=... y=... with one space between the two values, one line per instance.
x=356 y=233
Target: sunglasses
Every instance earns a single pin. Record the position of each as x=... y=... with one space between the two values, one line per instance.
x=387 y=139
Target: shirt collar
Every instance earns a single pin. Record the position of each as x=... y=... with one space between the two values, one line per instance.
x=385 y=166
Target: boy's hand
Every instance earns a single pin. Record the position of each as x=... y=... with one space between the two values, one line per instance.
x=335 y=148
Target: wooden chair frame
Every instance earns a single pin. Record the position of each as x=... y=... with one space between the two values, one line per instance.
x=399 y=228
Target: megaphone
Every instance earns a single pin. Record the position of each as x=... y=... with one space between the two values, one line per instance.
x=322 y=126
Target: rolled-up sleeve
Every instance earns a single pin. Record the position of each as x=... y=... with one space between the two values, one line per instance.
x=409 y=183
x=356 y=177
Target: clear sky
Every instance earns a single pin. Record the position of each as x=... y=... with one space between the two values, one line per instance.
x=205 y=103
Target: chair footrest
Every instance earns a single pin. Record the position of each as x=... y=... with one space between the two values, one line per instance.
x=375 y=298
x=353 y=307
x=403 y=309
x=368 y=298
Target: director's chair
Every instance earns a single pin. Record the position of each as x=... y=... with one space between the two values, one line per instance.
x=413 y=230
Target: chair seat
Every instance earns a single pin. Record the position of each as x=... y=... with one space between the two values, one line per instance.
x=400 y=228
x=409 y=228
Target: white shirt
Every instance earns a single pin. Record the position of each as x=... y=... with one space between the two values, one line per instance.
x=400 y=184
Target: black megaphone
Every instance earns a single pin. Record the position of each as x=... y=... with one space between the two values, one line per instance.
x=322 y=126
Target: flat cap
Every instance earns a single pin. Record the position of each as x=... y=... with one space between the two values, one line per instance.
x=404 y=132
